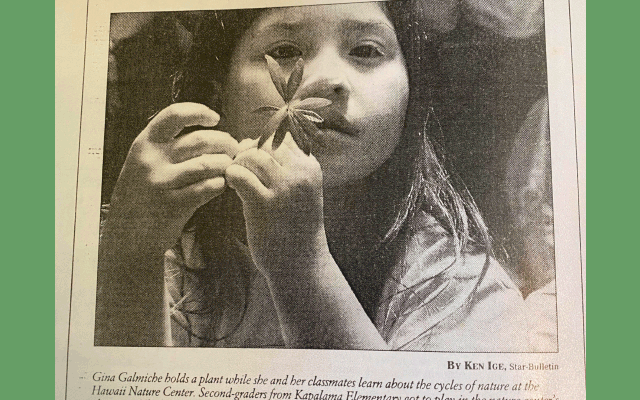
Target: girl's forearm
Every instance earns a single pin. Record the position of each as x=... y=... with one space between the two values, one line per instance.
x=317 y=308
x=130 y=303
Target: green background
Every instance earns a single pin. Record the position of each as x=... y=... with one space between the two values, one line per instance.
x=28 y=161
x=27 y=270
x=612 y=339
x=29 y=174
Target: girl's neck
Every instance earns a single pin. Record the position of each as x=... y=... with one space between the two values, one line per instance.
x=351 y=211
x=356 y=219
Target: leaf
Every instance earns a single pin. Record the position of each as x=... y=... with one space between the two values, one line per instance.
x=312 y=103
x=296 y=115
x=265 y=109
x=263 y=139
x=272 y=125
x=277 y=75
x=274 y=122
x=300 y=136
x=281 y=132
x=311 y=116
x=294 y=80
x=309 y=127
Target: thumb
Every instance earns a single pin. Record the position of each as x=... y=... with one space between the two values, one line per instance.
x=247 y=144
x=246 y=184
x=172 y=120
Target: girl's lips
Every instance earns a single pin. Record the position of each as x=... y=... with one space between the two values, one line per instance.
x=338 y=122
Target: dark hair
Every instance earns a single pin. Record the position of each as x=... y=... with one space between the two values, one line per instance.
x=415 y=173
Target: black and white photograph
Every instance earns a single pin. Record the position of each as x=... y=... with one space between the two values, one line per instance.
x=353 y=176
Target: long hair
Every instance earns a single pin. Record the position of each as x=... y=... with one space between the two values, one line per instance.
x=416 y=172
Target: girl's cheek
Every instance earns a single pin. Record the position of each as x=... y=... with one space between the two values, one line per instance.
x=250 y=127
x=248 y=90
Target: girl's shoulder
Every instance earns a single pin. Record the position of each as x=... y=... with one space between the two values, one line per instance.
x=435 y=299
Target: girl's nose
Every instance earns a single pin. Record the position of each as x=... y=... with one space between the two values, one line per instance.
x=325 y=75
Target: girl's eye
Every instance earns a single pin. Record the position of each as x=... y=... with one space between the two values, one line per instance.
x=285 y=51
x=366 y=51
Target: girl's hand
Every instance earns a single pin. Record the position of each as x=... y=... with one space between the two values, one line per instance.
x=281 y=192
x=167 y=176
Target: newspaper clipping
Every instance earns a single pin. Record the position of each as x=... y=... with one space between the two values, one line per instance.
x=322 y=201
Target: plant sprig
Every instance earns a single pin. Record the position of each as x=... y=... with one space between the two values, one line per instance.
x=296 y=116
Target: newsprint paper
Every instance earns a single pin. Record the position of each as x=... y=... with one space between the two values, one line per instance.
x=286 y=200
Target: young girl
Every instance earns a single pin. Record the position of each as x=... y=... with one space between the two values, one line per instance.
x=362 y=244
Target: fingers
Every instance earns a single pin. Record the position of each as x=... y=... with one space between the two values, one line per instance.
x=286 y=152
x=204 y=167
x=246 y=184
x=202 y=142
x=199 y=193
x=173 y=119
x=283 y=154
x=247 y=144
x=292 y=146
x=261 y=164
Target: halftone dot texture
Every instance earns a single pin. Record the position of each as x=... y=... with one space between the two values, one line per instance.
x=509 y=18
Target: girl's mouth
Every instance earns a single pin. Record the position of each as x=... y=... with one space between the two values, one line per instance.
x=338 y=122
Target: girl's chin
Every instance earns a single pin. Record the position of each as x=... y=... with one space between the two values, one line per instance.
x=334 y=141
x=339 y=172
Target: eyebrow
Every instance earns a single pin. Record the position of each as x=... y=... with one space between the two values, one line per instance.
x=349 y=24
x=281 y=27
x=354 y=24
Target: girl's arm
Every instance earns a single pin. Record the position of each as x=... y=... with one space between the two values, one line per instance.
x=281 y=191
x=317 y=308
x=130 y=308
x=166 y=177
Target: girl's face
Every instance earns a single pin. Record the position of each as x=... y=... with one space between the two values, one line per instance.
x=351 y=57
